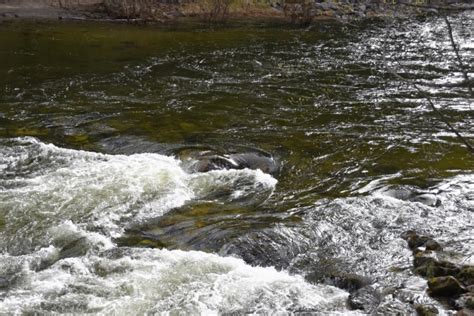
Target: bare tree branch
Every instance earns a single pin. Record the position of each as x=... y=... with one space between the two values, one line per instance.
x=462 y=67
x=440 y=114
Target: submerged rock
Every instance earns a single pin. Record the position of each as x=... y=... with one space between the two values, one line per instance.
x=466 y=275
x=432 y=244
x=347 y=281
x=207 y=162
x=422 y=259
x=426 y=310
x=466 y=301
x=427 y=199
x=76 y=248
x=365 y=298
x=415 y=241
x=446 y=280
x=447 y=286
x=434 y=268
x=465 y=312
x=413 y=194
x=4 y=283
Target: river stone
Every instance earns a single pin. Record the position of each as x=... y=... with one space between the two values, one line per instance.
x=427 y=199
x=466 y=275
x=333 y=272
x=426 y=310
x=437 y=268
x=465 y=301
x=208 y=162
x=76 y=248
x=469 y=302
x=347 y=281
x=433 y=245
x=413 y=194
x=416 y=240
x=422 y=259
x=4 y=283
x=366 y=299
x=400 y=193
x=445 y=286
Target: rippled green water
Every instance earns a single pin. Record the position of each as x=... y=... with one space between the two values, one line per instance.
x=320 y=100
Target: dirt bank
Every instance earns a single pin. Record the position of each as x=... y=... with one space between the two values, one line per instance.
x=51 y=9
x=159 y=11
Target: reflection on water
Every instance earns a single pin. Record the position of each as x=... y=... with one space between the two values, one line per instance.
x=361 y=159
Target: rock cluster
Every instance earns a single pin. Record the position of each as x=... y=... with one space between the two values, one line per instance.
x=450 y=283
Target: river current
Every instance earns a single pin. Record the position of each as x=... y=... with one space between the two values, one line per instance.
x=100 y=125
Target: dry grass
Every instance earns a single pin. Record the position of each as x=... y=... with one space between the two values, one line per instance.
x=148 y=10
x=217 y=10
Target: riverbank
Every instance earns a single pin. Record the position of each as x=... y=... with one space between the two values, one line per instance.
x=294 y=12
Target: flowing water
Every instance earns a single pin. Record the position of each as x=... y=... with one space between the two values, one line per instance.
x=100 y=125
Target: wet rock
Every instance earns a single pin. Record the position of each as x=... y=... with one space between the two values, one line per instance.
x=236 y=161
x=446 y=280
x=426 y=310
x=128 y=145
x=215 y=162
x=417 y=251
x=4 y=283
x=329 y=270
x=140 y=239
x=445 y=286
x=347 y=281
x=466 y=275
x=76 y=248
x=400 y=193
x=423 y=258
x=433 y=245
x=393 y=307
x=413 y=194
x=465 y=301
x=416 y=240
x=435 y=268
x=351 y=281
x=469 y=303
x=366 y=299
x=427 y=199
x=465 y=312
x=265 y=248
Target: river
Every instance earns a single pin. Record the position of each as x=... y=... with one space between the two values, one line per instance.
x=100 y=123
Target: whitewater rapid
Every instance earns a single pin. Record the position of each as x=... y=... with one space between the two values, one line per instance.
x=54 y=199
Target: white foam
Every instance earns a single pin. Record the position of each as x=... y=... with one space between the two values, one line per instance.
x=105 y=193
x=64 y=195
x=155 y=281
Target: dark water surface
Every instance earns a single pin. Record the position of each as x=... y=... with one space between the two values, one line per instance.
x=99 y=213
